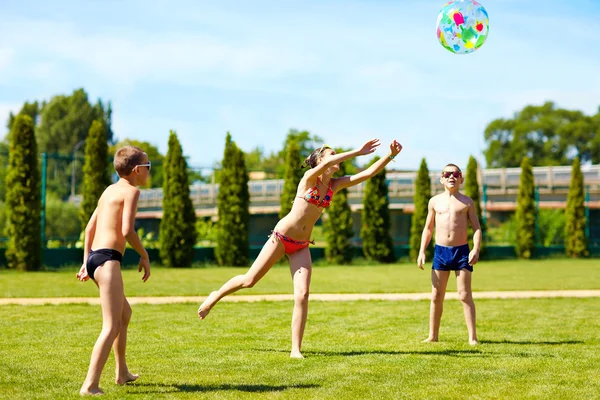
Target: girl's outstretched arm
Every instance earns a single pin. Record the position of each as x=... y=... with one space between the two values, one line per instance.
x=351 y=180
x=367 y=148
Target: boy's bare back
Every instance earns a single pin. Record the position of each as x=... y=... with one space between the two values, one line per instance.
x=115 y=207
x=451 y=218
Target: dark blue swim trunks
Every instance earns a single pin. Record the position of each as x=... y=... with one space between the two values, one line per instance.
x=451 y=258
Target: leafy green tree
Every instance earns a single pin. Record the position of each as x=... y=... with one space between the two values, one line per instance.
x=419 y=217
x=31 y=109
x=338 y=225
x=375 y=230
x=233 y=203
x=23 y=198
x=66 y=120
x=545 y=134
x=178 y=225
x=292 y=177
x=575 y=237
x=472 y=190
x=526 y=212
x=96 y=176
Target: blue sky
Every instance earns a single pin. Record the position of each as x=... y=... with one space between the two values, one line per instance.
x=347 y=71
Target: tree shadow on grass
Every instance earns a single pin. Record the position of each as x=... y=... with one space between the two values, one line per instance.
x=532 y=342
x=173 y=388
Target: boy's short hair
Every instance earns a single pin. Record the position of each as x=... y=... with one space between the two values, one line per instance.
x=452 y=165
x=127 y=158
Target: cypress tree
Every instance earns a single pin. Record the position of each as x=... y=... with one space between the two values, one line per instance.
x=338 y=225
x=575 y=239
x=178 y=224
x=472 y=190
x=375 y=230
x=419 y=217
x=96 y=176
x=525 y=214
x=23 y=198
x=292 y=177
x=233 y=202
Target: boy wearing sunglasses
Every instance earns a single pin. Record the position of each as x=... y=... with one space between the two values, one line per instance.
x=450 y=212
x=110 y=227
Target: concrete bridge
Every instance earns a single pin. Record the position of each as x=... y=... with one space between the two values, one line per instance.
x=499 y=192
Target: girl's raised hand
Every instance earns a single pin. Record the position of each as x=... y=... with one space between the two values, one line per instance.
x=369 y=147
x=395 y=148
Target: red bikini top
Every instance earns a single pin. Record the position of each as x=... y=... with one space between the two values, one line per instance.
x=313 y=197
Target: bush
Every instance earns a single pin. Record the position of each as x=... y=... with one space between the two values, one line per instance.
x=419 y=217
x=525 y=214
x=575 y=226
x=338 y=225
x=233 y=202
x=375 y=230
x=178 y=224
x=23 y=198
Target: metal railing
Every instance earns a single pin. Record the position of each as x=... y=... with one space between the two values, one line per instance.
x=400 y=186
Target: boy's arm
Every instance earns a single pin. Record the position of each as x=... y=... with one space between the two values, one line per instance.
x=128 y=230
x=90 y=232
x=351 y=180
x=427 y=233
x=477 y=235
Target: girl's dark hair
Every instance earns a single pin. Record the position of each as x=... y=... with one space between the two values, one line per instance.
x=313 y=159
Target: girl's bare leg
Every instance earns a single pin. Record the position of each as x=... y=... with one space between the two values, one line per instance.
x=271 y=252
x=122 y=372
x=110 y=283
x=465 y=294
x=439 y=282
x=301 y=269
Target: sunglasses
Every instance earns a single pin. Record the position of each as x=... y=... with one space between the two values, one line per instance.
x=145 y=165
x=447 y=174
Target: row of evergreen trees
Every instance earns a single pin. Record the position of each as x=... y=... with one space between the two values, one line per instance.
x=177 y=229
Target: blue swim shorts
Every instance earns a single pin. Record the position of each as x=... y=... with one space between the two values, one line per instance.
x=451 y=258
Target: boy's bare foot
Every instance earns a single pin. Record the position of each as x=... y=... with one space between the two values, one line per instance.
x=473 y=342
x=430 y=340
x=205 y=307
x=296 y=354
x=91 y=392
x=128 y=377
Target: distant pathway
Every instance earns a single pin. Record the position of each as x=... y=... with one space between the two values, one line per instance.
x=535 y=294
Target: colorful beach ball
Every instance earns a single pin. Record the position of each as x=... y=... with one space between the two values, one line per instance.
x=462 y=26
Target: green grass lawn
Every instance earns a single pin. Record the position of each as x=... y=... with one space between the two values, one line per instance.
x=535 y=349
x=551 y=274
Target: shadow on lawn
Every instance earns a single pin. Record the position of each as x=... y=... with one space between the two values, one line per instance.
x=445 y=352
x=533 y=342
x=172 y=388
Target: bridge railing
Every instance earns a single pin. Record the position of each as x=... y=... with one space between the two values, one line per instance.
x=400 y=186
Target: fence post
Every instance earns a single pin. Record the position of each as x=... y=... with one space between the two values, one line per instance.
x=43 y=214
x=537 y=215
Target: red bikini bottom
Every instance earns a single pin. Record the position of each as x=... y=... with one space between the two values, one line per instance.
x=290 y=245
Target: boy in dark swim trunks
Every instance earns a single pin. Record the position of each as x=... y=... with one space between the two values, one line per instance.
x=110 y=227
x=452 y=211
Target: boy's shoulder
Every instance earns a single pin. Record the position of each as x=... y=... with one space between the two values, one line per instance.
x=116 y=190
x=466 y=198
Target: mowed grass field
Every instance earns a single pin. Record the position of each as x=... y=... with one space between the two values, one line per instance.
x=530 y=348
x=552 y=274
